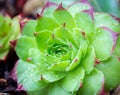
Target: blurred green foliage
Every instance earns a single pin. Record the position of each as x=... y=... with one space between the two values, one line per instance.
x=109 y=6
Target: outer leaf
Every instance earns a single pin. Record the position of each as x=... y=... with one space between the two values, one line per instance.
x=104 y=19
x=88 y=62
x=77 y=7
x=81 y=19
x=62 y=16
x=42 y=38
x=29 y=76
x=22 y=49
x=93 y=82
x=29 y=28
x=56 y=89
x=103 y=44
x=73 y=79
x=45 y=23
x=111 y=68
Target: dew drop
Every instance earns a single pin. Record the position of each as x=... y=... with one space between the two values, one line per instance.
x=101 y=24
x=84 y=7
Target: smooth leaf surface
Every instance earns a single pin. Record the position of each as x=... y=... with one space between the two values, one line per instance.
x=111 y=68
x=102 y=44
x=73 y=79
x=93 y=82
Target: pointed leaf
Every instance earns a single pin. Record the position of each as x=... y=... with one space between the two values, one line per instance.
x=81 y=18
x=65 y=35
x=93 y=82
x=76 y=61
x=73 y=79
x=42 y=38
x=45 y=23
x=103 y=44
x=111 y=68
x=88 y=62
x=22 y=49
x=104 y=19
x=56 y=89
x=29 y=28
x=29 y=76
x=64 y=17
x=60 y=66
x=77 y=7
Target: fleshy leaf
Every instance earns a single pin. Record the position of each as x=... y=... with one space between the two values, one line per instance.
x=104 y=19
x=81 y=40
x=60 y=66
x=49 y=9
x=52 y=76
x=29 y=76
x=62 y=16
x=111 y=68
x=88 y=62
x=73 y=79
x=77 y=7
x=29 y=28
x=81 y=18
x=56 y=89
x=64 y=35
x=103 y=44
x=45 y=23
x=22 y=49
x=93 y=82
x=76 y=61
x=42 y=38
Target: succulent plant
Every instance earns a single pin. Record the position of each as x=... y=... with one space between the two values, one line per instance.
x=9 y=31
x=69 y=51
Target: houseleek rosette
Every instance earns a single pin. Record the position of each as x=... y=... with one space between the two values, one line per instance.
x=9 y=30
x=69 y=51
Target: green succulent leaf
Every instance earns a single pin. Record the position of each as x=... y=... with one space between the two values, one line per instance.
x=93 y=82
x=76 y=61
x=7 y=33
x=42 y=38
x=73 y=79
x=22 y=49
x=81 y=18
x=65 y=19
x=110 y=68
x=29 y=76
x=56 y=89
x=45 y=23
x=77 y=7
x=103 y=44
x=89 y=61
x=104 y=19
x=29 y=28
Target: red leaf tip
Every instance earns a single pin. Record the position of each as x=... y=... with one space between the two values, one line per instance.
x=13 y=43
x=38 y=15
x=60 y=7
